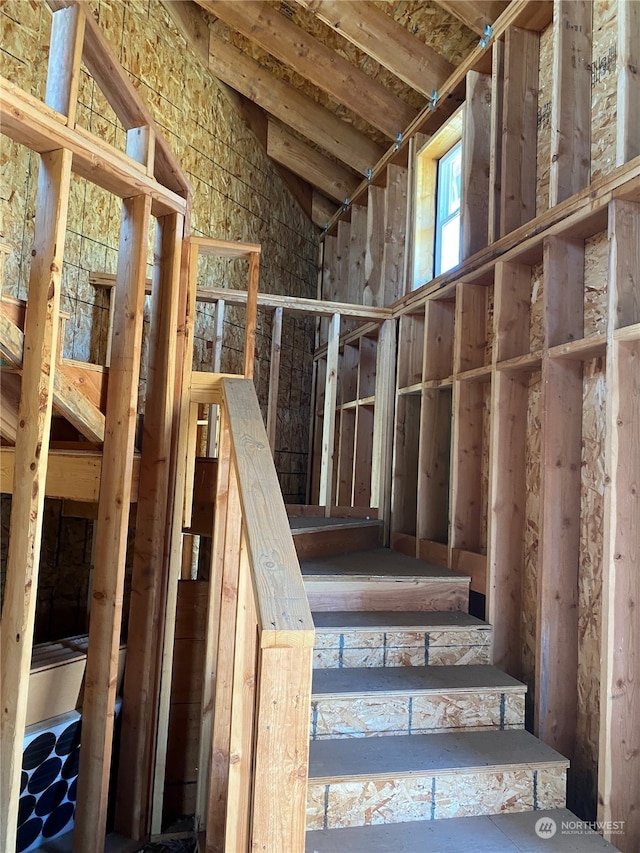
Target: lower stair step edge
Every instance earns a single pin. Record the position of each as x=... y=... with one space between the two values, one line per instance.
x=333 y=717
x=433 y=796
x=430 y=777
x=346 y=639
x=413 y=700
x=506 y=833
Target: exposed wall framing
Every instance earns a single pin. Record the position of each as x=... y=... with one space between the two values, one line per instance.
x=505 y=397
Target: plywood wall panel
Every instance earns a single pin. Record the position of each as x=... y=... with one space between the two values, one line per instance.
x=596 y=260
x=585 y=764
x=536 y=333
x=603 y=88
x=531 y=537
x=545 y=93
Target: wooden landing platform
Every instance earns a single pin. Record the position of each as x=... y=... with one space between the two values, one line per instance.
x=509 y=833
x=406 y=755
x=377 y=563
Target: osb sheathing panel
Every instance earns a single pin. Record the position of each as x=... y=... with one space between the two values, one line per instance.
x=603 y=88
x=536 y=315
x=333 y=717
x=545 y=94
x=484 y=470
x=596 y=260
x=401 y=648
x=585 y=762
x=531 y=538
x=237 y=194
x=434 y=796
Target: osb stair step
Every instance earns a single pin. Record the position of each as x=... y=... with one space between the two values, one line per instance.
x=505 y=833
x=414 y=700
x=393 y=638
x=324 y=537
x=382 y=580
x=359 y=781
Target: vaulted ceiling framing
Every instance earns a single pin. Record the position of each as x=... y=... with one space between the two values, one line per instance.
x=335 y=82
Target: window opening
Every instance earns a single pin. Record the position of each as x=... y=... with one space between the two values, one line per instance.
x=447 y=248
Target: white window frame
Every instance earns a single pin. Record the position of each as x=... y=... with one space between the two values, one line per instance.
x=443 y=216
x=422 y=208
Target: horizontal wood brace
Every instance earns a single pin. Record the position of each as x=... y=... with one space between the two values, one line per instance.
x=31 y=123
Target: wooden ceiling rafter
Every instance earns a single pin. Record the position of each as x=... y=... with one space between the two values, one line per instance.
x=330 y=178
x=343 y=81
x=274 y=96
x=382 y=38
x=475 y=14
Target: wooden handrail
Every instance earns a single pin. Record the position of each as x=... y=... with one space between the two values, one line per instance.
x=255 y=720
x=284 y=618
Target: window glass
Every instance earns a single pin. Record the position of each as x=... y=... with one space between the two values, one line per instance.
x=447 y=248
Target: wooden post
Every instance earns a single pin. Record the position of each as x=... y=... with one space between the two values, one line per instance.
x=113 y=518
x=216 y=361
x=150 y=561
x=557 y=623
x=213 y=619
x=628 y=115
x=383 y=424
x=519 y=134
x=65 y=57
x=556 y=694
x=241 y=736
x=282 y=750
x=357 y=253
x=506 y=521
x=251 y=316
x=41 y=332
x=32 y=442
x=395 y=225
x=476 y=152
x=571 y=101
x=507 y=471
x=184 y=362
x=329 y=418
x=374 y=285
x=619 y=754
x=274 y=377
x=495 y=154
x=220 y=744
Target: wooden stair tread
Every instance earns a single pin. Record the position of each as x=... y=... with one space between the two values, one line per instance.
x=407 y=755
x=302 y=524
x=393 y=620
x=375 y=564
x=505 y=833
x=412 y=679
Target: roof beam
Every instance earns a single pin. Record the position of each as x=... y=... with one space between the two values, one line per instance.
x=476 y=15
x=309 y=57
x=294 y=109
x=322 y=209
x=385 y=40
x=330 y=178
x=276 y=97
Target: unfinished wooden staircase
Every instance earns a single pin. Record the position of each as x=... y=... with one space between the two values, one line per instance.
x=397 y=654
